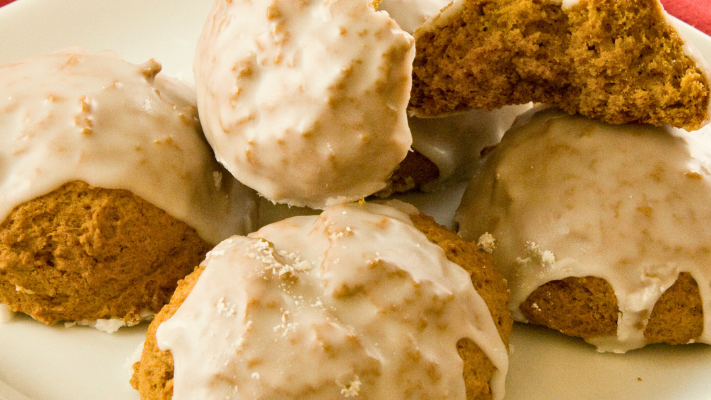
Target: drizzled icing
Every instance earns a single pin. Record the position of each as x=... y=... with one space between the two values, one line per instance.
x=354 y=302
x=455 y=142
x=94 y=117
x=305 y=101
x=411 y=14
x=565 y=4
x=568 y=196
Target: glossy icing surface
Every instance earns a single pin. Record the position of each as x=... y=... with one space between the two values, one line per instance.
x=411 y=14
x=305 y=101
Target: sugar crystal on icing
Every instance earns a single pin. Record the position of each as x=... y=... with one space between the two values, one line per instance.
x=487 y=242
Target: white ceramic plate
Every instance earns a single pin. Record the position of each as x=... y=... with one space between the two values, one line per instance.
x=56 y=363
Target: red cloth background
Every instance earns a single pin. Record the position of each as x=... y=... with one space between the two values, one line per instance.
x=695 y=12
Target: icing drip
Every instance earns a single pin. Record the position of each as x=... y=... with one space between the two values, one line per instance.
x=568 y=196
x=355 y=302
x=454 y=143
x=411 y=14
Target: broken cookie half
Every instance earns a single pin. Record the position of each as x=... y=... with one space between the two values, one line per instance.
x=612 y=60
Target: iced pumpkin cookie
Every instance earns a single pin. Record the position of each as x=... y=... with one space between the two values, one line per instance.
x=305 y=101
x=362 y=300
x=601 y=230
x=110 y=193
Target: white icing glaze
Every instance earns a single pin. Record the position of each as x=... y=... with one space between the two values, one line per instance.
x=305 y=101
x=568 y=196
x=94 y=117
x=132 y=359
x=354 y=302
x=454 y=143
x=411 y=14
x=110 y=325
x=441 y=19
x=104 y=325
x=565 y=4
